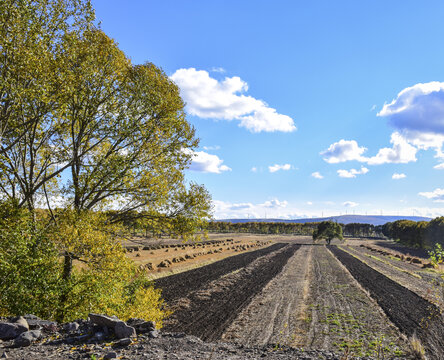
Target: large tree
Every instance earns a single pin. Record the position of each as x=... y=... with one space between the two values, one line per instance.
x=84 y=130
x=328 y=230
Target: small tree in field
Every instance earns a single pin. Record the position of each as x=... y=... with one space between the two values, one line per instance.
x=328 y=230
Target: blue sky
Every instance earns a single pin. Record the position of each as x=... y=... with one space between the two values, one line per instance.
x=303 y=108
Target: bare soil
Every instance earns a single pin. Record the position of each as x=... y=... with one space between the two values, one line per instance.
x=428 y=284
x=412 y=314
x=276 y=314
x=180 y=285
x=342 y=317
x=206 y=313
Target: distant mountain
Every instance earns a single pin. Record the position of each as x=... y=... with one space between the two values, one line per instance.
x=343 y=219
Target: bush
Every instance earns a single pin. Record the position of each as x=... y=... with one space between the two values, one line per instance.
x=103 y=279
x=29 y=266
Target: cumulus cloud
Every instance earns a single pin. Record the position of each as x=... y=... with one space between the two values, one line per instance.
x=343 y=150
x=204 y=162
x=418 y=113
x=419 y=108
x=436 y=195
x=317 y=175
x=277 y=167
x=350 y=204
x=400 y=152
x=347 y=150
x=397 y=176
x=352 y=172
x=275 y=203
x=207 y=97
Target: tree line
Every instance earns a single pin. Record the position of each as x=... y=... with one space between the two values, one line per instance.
x=421 y=234
x=262 y=227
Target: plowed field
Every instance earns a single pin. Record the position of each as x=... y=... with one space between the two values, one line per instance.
x=308 y=296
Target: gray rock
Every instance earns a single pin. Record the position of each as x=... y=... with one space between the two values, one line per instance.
x=122 y=330
x=72 y=326
x=153 y=334
x=26 y=338
x=142 y=326
x=104 y=320
x=4 y=355
x=111 y=355
x=124 y=342
x=10 y=330
x=21 y=321
x=99 y=336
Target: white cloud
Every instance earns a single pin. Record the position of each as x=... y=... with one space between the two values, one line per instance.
x=397 y=176
x=439 y=166
x=347 y=150
x=418 y=108
x=343 y=150
x=275 y=203
x=209 y=148
x=418 y=113
x=276 y=167
x=207 y=97
x=204 y=162
x=317 y=175
x=309 y=203
x=436 y=195
x=218 y=70
x=254 y=169
x=401 y=152
x=373 y=108
x=352 y=172
x=349 y=204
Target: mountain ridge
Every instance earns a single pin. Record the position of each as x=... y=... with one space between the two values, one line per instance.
x=343 y=219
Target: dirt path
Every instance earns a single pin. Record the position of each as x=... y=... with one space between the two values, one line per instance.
x=276 y=314
x=342 y=317
x=207 y=312
x=412 y=314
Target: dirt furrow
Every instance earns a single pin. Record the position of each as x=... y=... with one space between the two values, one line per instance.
x=207 y=312
x=412 y=314
x=427 y=285
x=342 y=317
x=276 y=314
x=179 y=285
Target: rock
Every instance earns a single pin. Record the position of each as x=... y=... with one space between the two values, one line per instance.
x=104 y=320
x=71 y=327
x=99 y=336
x=4 y=355
x=124 y=342
x=11 y=330
x=111 y=355
x=122 y=330
x=26 y=338
x=153 y=334
x=21 y=321
x=142 y=326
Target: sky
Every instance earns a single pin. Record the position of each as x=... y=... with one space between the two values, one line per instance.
x=303 y=108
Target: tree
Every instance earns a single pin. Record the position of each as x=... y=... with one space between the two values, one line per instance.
x=82 y=124
x=328 y=230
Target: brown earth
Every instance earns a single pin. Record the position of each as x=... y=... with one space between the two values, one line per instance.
x=276 y=314
x=207 y=312
x=428 y=284
x=412 y=314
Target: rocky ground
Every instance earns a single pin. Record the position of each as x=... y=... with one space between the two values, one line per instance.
x=103 y=337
